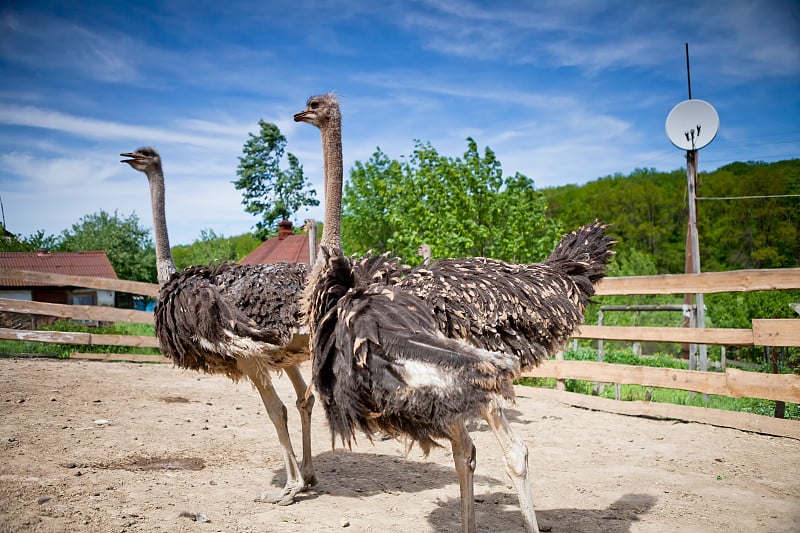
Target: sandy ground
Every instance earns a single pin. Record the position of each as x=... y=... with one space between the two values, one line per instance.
x=91 y=446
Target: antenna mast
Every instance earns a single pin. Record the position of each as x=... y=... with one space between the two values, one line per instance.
x=691 y=125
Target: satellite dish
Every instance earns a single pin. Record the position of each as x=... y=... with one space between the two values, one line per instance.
x=692 y=124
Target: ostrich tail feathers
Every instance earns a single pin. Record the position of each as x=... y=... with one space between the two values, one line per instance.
x=378 y=269
x=584 y=252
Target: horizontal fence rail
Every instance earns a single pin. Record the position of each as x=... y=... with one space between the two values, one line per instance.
x=732 y=383
x=706 y=282
x=77 y=312
x=70 y=337
x=66 y=280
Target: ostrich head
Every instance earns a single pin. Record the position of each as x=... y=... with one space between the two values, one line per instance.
x=320 y=110
x=424 y=250
x=143 y=159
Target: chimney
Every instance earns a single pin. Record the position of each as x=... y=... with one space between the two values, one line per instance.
x=284 y=229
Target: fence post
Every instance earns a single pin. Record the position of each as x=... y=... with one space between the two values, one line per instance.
x=780 y=407
x=597 y=384
x=560 y=383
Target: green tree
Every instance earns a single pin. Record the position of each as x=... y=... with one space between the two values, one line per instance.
x=458 y=206
x=32 y=243
x=271 y=192
x=129 y=247
x=748 y=214
x=209 y=248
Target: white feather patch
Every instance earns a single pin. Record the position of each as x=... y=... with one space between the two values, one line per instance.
x=419 y=374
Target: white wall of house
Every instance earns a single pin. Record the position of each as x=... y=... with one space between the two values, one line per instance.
x=98 y=297
x=105 y=298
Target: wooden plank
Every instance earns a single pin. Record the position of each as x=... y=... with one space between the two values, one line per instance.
x=733 y=383
x=141 y=341
x=77 y=312
x=776 y=332
x=127 y=357
x=706 y=282
x=728 y=337
x=782 y=387
x=133 y=287
x=64 y=337
x=67 y=337
x=704 y=415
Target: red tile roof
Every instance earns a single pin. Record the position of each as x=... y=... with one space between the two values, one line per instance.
x=293 y=248
x=95 y=264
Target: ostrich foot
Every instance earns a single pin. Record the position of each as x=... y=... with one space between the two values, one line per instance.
x=286 y=496
x=310 y=482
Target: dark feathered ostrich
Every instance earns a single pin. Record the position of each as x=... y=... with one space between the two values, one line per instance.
x=422 y=352
x=237 y=320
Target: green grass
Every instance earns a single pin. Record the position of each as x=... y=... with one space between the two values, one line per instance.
x=64 y=350
x=674 y=396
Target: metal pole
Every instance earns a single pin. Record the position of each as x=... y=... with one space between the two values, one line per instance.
x=688 y=75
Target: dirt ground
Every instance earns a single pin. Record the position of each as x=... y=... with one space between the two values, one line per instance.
x=119 y=447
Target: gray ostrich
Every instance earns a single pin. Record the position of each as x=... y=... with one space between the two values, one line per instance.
x=422 y=352
x=236 y=320
x=424 y=251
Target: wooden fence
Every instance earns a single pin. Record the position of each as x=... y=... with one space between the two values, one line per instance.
x=732 y=383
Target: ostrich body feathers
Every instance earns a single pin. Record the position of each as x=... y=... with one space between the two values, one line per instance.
x=207 y=317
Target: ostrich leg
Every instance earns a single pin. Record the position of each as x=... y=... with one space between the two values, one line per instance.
x=277 y=413
x=516 y=453
x=464 y=459
x=304 y=406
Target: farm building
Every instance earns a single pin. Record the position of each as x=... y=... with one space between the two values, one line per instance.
x=94 y=264
x=285 y=247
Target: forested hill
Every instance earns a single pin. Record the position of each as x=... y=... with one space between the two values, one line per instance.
x=760 y=228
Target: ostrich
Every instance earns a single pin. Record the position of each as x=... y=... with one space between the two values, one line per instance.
x=422 y=352
x=424 y=251
x=236 y=320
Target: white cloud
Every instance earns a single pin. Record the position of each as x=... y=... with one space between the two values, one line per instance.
x=30 y=116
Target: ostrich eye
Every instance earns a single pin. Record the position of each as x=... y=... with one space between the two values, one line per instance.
x=313 y=105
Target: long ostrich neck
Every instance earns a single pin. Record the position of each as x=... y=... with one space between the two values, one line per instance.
x=334 y=174
x=164 y=263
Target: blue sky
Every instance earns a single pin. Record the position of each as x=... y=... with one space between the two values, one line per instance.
x=564 y=91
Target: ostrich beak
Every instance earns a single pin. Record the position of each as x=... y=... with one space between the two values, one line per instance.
x=133 y=157
x=301 y=116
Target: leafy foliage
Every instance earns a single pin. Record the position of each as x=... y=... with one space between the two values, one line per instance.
x=270 y=191
x=209 y=248
x=458 y=206
x=212 y=248
x=129 y=246
x=32 y=243
x=649 y=211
